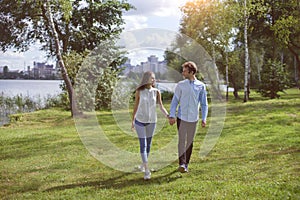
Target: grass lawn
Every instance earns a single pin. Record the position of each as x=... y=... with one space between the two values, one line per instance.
x=256 y=157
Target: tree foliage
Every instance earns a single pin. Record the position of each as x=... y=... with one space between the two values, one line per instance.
x=274 y=79
x=79 y=25
x=211 y=23
x=61 y=26
x=272 y=33
x=277 y=28
x=97 y=76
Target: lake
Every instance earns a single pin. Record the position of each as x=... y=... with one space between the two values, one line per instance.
x=37 y=90
x=31 y=88
x=42 y=89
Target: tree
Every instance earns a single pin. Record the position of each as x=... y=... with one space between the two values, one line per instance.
x=274 y=79
x=49 y=19
x=247 y=64
x=260 y=30
x=286 y=26
x=211 y=24
x=98 y=75
x=234 y=73
x=265 y=20
x=275 y=25
x=243 y=39
x=60 y=26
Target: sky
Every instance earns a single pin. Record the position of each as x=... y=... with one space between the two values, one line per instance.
x=162 y=14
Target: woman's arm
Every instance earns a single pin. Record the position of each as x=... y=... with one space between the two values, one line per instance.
x=136 y=104
x=161 y=106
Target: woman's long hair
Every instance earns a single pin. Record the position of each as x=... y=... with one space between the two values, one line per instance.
x=145 y=80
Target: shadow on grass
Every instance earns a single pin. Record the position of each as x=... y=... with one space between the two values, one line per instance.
x=117 y=183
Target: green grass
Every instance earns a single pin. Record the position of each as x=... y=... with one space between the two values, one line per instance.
x=256 y=157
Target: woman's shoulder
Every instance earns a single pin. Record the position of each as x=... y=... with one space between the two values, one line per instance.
x=153 y=89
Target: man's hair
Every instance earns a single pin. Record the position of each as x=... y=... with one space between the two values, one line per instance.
x=191 y=66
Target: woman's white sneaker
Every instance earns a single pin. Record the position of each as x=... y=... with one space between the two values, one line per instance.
x=141 y=168
x=147 y=175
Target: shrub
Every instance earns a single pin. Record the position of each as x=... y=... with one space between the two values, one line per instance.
x=274 y=79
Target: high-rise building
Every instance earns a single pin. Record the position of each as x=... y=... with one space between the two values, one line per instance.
x=152 y=64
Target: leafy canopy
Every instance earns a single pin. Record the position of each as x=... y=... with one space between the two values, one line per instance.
x=80 y=24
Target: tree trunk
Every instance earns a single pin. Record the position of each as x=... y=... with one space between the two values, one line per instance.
x=297 y=62
x=70 y=90
x=246 y=83
x=296 y=73
x=258 y=69
x=227 y=78
x=235 y=91
x=249 y=75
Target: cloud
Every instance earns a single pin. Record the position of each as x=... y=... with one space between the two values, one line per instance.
x=161 y=8
x=10 y=55
x=137 y=56
x=19 y=60
x=135 y=22
x=11 y=59
x=141 y=43
x=155 y=13
x=146 y=38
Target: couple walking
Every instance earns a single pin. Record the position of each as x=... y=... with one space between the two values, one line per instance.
x=189 y=95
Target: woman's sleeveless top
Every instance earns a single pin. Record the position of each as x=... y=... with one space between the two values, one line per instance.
x=146 y=112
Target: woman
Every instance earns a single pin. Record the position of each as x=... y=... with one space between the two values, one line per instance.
x=145 y=117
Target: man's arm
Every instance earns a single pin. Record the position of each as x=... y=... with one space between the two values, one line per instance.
x=174 y=104
x=204 y=106
x=173 y=107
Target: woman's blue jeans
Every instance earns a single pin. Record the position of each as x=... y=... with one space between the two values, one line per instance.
x=145 y=133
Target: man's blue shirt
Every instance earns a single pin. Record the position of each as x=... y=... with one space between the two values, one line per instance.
x=189 y=95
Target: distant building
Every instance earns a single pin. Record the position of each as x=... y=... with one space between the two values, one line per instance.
x=40 y=70
x=152 y=64
x=5 y=73
x=43 y=70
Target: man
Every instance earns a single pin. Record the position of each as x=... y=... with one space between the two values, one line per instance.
x=189 y=95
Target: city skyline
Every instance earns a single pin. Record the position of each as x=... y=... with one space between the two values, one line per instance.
x=41 y=70
x=153 y=63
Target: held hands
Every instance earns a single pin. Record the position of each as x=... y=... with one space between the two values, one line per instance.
x=203 y=124
x=132 y=126
x=172 y=121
